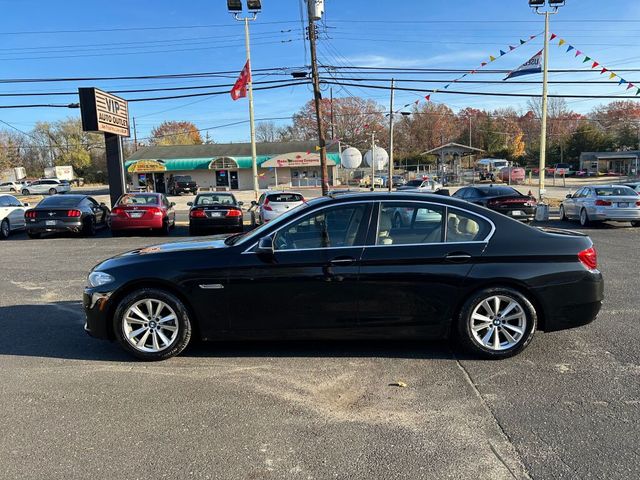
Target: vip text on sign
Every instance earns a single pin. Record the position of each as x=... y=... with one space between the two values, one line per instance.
x=103 y=112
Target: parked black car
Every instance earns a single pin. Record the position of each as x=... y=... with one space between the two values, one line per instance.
x=178 y=184
x=502 y=199
x=337 y=268
x=66 y=213
x=215 y=211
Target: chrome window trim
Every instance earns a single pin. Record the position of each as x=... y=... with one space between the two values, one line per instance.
x=354 y=200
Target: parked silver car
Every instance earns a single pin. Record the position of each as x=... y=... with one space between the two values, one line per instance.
x=47 y=186
x=598 y=203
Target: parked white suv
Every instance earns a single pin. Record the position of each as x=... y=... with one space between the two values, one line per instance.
x=49 y=186
x=11 y=187
x=273 y=204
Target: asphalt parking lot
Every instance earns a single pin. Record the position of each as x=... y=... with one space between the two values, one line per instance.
x=75 y=407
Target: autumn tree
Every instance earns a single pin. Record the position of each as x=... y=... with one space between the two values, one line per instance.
x=175 y=133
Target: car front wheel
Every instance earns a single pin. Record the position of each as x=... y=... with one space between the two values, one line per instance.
x=497 y=323
x=25 y=192
x=152 y=324
x=5 y=229
x=563 y=215
x=52 y=191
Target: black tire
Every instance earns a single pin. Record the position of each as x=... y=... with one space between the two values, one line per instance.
x=12 y=190
x=584 y=218
x=52 y=191
x=563 y=215
x=33 y=235
x=25 y=191
x=178 y=344
x=89 y=227
x=635 y=224
x=473 y=345
x=166 y=228
x=5 y=229
x=194 y=231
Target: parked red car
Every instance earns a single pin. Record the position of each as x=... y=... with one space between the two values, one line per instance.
x=143 y=211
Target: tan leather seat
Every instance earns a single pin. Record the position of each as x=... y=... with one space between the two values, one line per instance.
x=384 y=229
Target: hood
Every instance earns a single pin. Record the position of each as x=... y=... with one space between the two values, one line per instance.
x=216 y=241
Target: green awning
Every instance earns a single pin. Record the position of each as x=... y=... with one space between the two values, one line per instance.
x=185 y=164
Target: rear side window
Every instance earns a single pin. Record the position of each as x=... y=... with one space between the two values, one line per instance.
x=285 y=197
x=409 y=223
x=465 y=227
x=138 y=200
x=4 y=201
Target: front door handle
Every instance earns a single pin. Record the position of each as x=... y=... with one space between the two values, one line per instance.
x=342 y=261
x=458 y=257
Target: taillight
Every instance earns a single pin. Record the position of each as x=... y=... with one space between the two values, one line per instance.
x=589 y=258
x=603 y=203
x=118 y=211
x=233 y=213
x=266 y=205
x=30 y=214
x=637 y=204
x=74 y=213
x=155 y=211
x=197 y=214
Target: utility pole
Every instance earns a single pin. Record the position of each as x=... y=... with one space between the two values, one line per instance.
x=390 y=172
x=373 y=161
x=333 y=135
x=135 y=136
x=317 y=97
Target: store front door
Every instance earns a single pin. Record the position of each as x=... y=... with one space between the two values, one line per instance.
x=222 y=178
x=233 y=177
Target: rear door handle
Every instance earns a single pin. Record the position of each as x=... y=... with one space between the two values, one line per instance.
x=457 y=257
x=342 y=261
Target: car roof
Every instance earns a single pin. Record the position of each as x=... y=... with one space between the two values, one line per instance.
x=77 y=196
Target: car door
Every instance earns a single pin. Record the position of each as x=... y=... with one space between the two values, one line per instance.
x=411 y=277
x=98 y=211
x=570 y=204
x=16 y=213
x=309 y=287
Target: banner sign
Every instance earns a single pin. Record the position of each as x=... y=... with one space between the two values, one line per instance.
x=531 y=66
x=103 y=112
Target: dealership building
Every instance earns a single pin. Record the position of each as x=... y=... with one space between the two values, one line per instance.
x=229 y=166
x=622 y=163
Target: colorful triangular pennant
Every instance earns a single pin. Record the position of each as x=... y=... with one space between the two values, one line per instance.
x=578 y=53
x=612 y=76
x=428 y=97
x=511 y=48
x=586 y=59
x=595 y=64
x=492 y=58
x=570 y=47
x=631 y=85
x=604 y=70
x=622 y=80
x=522 y=42
x=502 y=53
x=553 y=35
x=561 y=42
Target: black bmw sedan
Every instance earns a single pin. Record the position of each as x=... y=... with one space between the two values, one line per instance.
x=502 y=199
x=338 y=268
x=66 y=213
x=215 y=211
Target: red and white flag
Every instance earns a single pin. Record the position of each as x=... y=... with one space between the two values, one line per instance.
x=239 y=89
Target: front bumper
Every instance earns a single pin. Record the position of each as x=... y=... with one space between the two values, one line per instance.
x=96 y=308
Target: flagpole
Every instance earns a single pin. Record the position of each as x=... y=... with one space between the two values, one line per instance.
x=543 y=127
x=254 y=160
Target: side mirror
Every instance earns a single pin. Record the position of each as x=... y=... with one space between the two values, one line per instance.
x=240 y=204
x=265 y=247
x=253 y=203
x=568 y=195
x=173 y=204
x=189 y=204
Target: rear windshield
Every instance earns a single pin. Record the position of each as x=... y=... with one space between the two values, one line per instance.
x=414 y=183
x=499 y=191
x=60 y=201
x=614 y=191
x=215 y=199
x=138 y=200
x=285 y=197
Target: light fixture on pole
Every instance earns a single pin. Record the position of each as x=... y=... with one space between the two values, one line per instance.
x=254 y=7
x=538 y=7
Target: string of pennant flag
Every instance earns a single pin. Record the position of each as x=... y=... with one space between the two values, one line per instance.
x=492 y=58
x=594 y=63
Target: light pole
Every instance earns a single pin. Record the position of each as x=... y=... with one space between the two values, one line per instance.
x=538 y=7
x=254 y=7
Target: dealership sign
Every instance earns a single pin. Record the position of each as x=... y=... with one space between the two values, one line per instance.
x=103 y=112
x=147 y=166
x=296 y=159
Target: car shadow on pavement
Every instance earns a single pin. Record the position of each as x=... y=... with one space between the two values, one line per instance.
x=56 y=330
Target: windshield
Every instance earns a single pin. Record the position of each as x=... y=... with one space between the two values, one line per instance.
x=215 y=199
x=138 y=200
x=414 y=183
x=614 y=191
x=257 y=232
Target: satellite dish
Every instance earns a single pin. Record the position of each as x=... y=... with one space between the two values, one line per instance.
x=351 y=158
x=381 y=158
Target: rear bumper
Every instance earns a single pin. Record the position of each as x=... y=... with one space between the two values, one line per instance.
x=231 y=224
x=136 y=224
x=572 y=304
x=40 y=226
x=616 y=215
x=518 y=213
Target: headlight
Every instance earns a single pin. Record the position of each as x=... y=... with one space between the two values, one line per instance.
x=97 y=279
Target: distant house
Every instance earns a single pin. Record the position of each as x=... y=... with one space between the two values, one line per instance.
x=624 y=163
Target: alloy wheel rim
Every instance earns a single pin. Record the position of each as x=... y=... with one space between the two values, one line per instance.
x=498 y=323
x=583 y=217
x=5 y=229
x=150 y=325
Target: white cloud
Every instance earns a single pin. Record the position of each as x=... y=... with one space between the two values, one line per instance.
x=434 y=61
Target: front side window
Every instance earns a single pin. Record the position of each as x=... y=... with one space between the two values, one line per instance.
x=328 y=228
x=407 y=223
x=465 y=227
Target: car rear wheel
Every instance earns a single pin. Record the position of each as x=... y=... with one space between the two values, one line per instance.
x=635 y=224
x=152 y=324
x=497 y=323
x=584 y=218
x=5 y=229
x=52 y=191
x=563 y=215
x=25 y=191
x=89 y=227
x=12 y=190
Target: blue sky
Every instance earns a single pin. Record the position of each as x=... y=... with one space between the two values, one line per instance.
x=121 y=37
